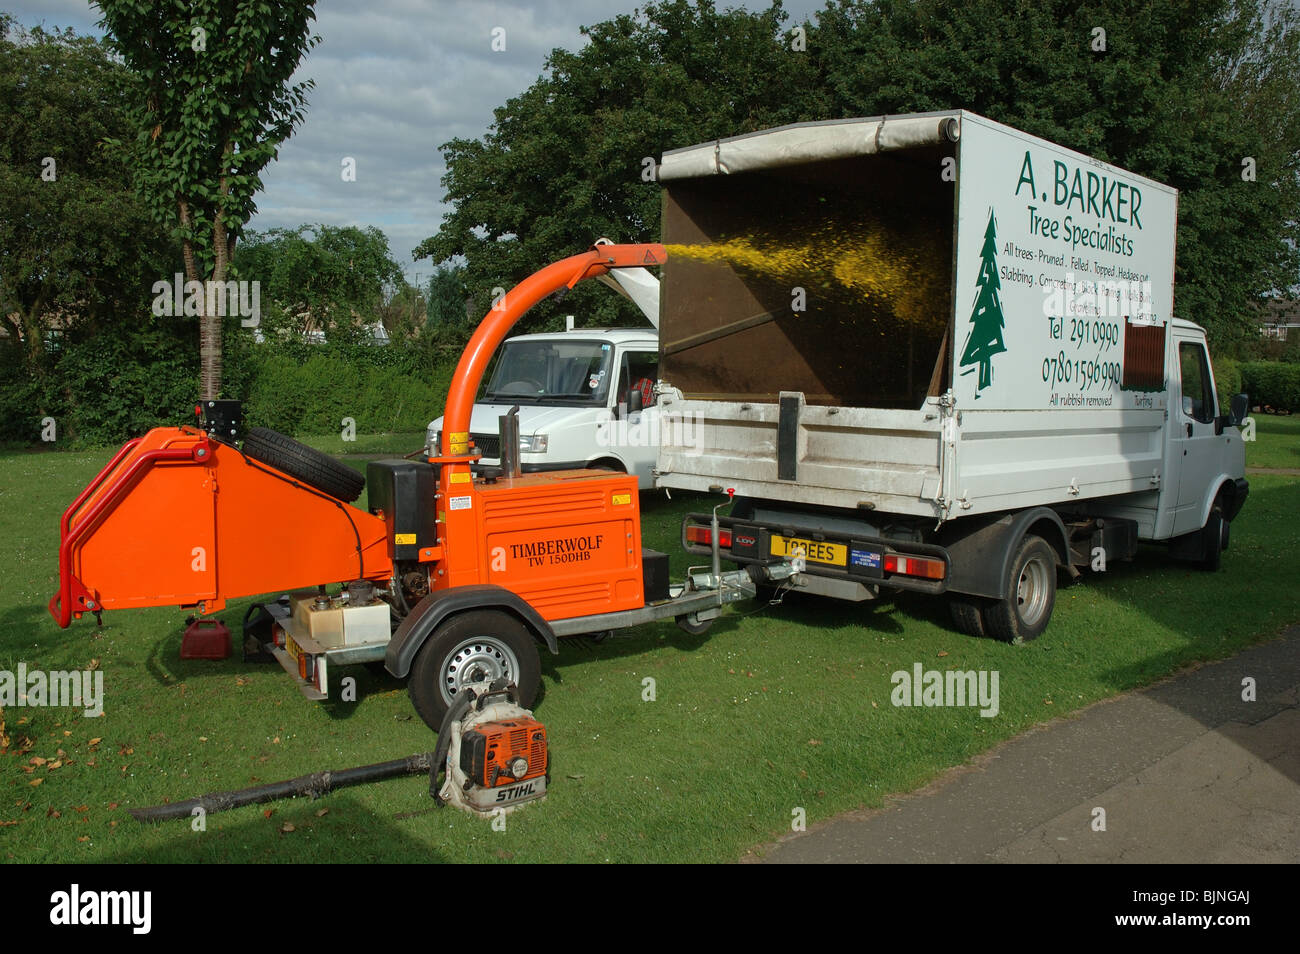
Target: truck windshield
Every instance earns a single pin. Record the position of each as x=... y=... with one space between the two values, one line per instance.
x=550 y=371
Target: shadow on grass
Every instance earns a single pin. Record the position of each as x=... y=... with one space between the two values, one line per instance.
x=348 y=832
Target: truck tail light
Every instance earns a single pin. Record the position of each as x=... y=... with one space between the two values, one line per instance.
x=914 y=566
x=704 y=536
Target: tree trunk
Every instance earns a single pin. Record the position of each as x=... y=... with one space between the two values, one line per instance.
x=209 y=325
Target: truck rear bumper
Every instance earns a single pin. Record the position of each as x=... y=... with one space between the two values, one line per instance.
x=859 y=558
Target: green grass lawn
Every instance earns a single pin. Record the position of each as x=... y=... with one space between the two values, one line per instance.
x=776 y=708
x=1277 y=442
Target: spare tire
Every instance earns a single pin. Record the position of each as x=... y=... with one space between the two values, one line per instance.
x=304 y=463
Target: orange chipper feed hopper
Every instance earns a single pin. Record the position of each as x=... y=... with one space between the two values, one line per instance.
x=177 y=518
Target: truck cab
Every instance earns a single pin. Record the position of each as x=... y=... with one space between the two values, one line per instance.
x=585 y=399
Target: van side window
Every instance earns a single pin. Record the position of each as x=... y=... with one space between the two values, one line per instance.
x=640 y=372
x=1198 y=397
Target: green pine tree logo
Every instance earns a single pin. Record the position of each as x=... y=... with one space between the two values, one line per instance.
x=985 y=338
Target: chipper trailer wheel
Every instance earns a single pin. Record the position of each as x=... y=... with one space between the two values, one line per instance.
x=304 y=463
x=473 y=647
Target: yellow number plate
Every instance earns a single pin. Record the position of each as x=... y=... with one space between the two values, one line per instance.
x=831 y=554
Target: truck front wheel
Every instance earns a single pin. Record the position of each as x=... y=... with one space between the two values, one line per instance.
x=1023 y=613
x=477 y=646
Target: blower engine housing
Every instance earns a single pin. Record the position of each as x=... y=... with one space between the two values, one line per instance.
x=496 y=755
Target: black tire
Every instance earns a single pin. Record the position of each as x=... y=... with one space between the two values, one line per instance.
x=694 y=627
x=479 y=644
x=1214 y=540
x=1024 y=612
x=967 y=614
x=304 y=463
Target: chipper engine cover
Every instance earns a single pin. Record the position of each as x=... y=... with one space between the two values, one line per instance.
x=492 y=750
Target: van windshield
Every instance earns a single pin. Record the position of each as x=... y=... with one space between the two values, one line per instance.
x=551 y=372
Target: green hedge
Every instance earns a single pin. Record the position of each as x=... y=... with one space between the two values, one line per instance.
x=1227 y=380
x=106 y=387
x=1274 y=384
x=314 y=395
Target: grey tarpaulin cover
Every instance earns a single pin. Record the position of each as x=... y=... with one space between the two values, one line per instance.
x=809 y=142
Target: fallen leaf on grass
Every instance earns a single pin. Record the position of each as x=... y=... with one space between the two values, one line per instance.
x=95 y=741
x=322 y=813
x=36 y=781
x=53 y=812
x=112 y=804
x=268 y=813
x=82 y=808
x=814 y=741
x=84 y=838
x=287 y=827
x=6 y=824
x=942 y=654
x=37 y=760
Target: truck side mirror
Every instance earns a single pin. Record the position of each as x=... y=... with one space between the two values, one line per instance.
x=635 y=401
x=1239 y=408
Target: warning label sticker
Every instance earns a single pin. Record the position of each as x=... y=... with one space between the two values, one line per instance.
x=461 y=503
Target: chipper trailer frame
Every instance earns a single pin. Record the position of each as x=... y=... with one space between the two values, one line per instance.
x=451 y=578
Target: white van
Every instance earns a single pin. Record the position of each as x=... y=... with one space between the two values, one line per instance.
x=585 y=398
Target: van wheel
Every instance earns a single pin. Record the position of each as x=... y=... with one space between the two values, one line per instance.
x=1214 y=540
x=477 y=646
x=1023 y=613
x=967 y=615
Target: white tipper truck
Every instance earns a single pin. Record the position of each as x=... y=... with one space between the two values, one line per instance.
x=931 y=352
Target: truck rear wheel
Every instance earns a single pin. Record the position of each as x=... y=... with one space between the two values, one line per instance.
x=967 y=615
x=1214 y=537
x=1023 y=613
x=480 y=645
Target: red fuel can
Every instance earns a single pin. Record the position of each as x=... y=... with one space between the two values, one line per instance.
x=206 y=639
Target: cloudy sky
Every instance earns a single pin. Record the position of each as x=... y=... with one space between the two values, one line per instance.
x=395 y=79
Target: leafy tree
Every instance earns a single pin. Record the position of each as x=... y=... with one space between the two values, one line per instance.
x=217 y=103
x=321 y=277
x=76 y=243
x=447 y=298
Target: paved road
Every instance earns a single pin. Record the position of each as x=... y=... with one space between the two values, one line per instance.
x=1186 y=771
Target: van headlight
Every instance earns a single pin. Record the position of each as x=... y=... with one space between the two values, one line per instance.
x=536 y=444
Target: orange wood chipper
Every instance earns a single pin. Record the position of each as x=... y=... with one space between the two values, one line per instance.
x=452 y=577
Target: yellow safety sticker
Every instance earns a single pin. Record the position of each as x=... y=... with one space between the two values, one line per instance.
x=621 y=499
x=403 y=538
x=461 y=478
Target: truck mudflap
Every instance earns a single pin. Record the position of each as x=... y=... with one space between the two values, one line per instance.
x=179 y=519
x=860 y=558
x=1234 y=499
